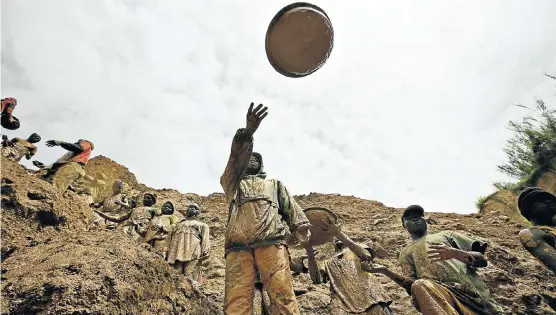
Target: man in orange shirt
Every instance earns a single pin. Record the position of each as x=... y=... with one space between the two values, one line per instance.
x=70 y=167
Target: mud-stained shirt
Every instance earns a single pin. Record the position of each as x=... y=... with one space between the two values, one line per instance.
x=261 y=211
x=188 y=241
x=352 y=289
x=159 y=227
x=109 y=204
x=452 y=273
x=18 y=148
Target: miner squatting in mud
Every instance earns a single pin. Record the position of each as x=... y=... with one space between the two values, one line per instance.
x=439 y=271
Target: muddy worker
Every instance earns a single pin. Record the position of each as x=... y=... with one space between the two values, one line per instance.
x=440 y=270
x=17 y=148
x=159 y=227
x=135 y=220
x=7 y=120
x=261 y=215
x=90 y=187
x=70 y=167
x=353 y=290
x=115 y=205
x=189 y=244
x=539 y=207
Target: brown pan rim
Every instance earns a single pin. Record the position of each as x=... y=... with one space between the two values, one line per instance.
x=271 y=26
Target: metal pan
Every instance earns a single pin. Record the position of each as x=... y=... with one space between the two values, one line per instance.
x=299 y=39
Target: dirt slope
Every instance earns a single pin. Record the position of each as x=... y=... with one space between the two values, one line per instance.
x=73 y=271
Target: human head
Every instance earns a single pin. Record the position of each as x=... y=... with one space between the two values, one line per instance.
x=8 y=104
x=167 y=208
x=413 y=220
x=90 y=143
x=255 y=162
x=537 y=206
x=193 y=211
x=34 y=138
x=149 y=199
x=118 y=186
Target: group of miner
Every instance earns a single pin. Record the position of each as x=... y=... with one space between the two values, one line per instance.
x=439 y=271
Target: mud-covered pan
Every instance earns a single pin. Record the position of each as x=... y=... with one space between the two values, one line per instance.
x=299 y=40
x=316 y=216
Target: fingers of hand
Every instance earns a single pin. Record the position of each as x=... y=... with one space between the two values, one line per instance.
x=250 y=110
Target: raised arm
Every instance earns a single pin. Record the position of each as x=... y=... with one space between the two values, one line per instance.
x=242 y=147
x=73 y=147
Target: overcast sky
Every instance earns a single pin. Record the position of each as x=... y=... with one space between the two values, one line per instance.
x=411 y=107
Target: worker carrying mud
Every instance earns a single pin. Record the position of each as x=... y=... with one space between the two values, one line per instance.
x=115 y=205
x=189 y=244
x=135 y=220
x=70 y=167
x=261 y=215
x=440 y=270
x=17 y=148
x=539 y=207
x=159 y=227
x=7 y=119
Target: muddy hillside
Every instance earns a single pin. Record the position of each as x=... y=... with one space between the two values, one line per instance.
x=54 y=262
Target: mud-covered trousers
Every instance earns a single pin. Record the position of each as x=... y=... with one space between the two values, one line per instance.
x=433 y=299
x=273 y=264
x=62 y=177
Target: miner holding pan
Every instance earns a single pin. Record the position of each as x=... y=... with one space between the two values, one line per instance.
x=261 y=216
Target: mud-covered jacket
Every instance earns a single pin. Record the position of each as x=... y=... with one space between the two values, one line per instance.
x=261 y=211
x=188 y=240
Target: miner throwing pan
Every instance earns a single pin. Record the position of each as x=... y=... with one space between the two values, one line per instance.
x=261 y=214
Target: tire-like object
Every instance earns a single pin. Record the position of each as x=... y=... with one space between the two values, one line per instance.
x=299 y=40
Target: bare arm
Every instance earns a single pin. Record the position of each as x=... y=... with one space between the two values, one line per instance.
x=403 y=281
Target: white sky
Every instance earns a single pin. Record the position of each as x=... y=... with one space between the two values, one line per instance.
x=411 y=107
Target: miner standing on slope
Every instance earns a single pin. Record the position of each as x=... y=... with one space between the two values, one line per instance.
x=261 y=215
x=440 y=270
x=539 y=207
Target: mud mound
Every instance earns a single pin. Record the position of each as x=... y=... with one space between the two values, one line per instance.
x=53 y=264
x=97 y=273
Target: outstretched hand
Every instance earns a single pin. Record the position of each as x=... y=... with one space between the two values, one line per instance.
x=441 y=252
x=255 y=116
x=52 y=143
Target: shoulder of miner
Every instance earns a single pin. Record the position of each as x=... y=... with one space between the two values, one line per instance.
x=407 y=264
x=9 y=122
x=242 y=147
x=289 y=209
